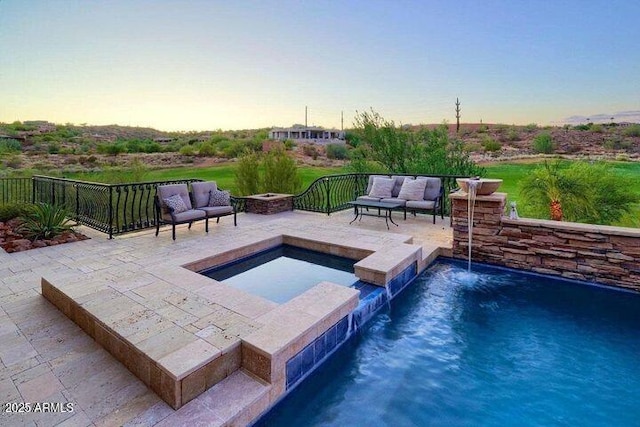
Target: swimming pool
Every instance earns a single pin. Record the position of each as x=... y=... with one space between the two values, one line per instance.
x=283 y=272
x=494 y=348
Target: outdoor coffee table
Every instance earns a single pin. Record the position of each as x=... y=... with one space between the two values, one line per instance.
x=387 y=207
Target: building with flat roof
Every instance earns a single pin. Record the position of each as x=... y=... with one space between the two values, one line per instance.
x=300 y=133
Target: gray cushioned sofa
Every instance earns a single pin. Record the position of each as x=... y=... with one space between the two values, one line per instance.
x=430 y=202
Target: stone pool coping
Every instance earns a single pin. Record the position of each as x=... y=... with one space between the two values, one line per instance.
x=182 y=333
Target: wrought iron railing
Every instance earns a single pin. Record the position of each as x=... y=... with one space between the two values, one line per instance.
x=110 y=208
x=333 y=193
x=16 y=190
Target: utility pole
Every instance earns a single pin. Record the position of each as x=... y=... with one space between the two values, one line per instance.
x=342 y=121
x=457 y=115
x=305 y=116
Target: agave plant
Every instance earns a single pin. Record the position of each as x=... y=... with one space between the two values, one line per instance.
x=44 y=221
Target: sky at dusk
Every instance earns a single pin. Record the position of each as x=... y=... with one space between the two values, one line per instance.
x=205 y=65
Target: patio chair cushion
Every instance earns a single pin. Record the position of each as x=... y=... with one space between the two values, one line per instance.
x=201 y=192
x=412 y=189
x=397 y=185
x=382 y=187
x=191 y=214
x=369 y=199
x=395 y=200
x=432 y=189
x=166 y=191
x=219 y=198
x=370 y=182
x=430 y=204
x=217 y=210
x=175 y=204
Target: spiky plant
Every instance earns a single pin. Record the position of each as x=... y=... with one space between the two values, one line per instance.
x=44 y=221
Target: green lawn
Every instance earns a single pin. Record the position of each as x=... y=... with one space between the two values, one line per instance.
x=224 y=175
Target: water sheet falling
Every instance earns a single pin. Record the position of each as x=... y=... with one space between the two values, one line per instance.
x=473 y=185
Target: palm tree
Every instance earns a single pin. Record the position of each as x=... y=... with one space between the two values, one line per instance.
x=551 y=187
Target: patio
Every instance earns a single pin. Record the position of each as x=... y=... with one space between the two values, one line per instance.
x=45 y=357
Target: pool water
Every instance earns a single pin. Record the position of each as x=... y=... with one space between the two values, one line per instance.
x=284 y=272
x=490 y=348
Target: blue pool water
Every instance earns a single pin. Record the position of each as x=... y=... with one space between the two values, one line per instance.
x=284 y=272
x=493 y=348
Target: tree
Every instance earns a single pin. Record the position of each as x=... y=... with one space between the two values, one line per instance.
x=247 y=174
x=579 y=192
x=387 y=144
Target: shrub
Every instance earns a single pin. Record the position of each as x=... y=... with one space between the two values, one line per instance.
x=12 y=210
x=491 y=145
x=289 y=144
x=187 y=150
x=112 y=149
x=54 y=148
x=280 y=173
x=247 y=175
x=10 y=146
x=543 y=143
x=472 y=147
x=531 y=127
x=337 y=151
x=206 y=149
x=513 y=134
x=582 y=127
x=633 y=130
x=597 y=128
x=44 y=221
x=13 y=161
x=310 y=150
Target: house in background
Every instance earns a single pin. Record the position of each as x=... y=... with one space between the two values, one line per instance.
x=310 y=134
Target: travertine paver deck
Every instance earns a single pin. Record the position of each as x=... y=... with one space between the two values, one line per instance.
x=45 y=357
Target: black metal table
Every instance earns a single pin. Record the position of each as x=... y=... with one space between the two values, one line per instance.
x=387 y=207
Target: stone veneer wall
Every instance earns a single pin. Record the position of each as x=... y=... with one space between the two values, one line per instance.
x=604 y=254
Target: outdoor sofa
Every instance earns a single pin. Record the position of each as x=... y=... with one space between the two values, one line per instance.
x=417 y=194
x=174 y=205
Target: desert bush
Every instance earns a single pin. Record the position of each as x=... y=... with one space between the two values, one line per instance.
x=491 y=145
x=207 y=149
x=337 y=151
x=633 y=131
x=112 y=149
x=53 y=148
x=513 y=134
x=289 y=144
x=543 y=143
x=247 y=175
x=531 y=127
x=472 y=147
x=44 y=221
x=280 y=173
x=10 y=146
x=187 y=150
x=311 y=151
x=582 y=127
x=13 y=161
x=12 y=210
x=616 y=142
x=483 y=128
x=597 y=128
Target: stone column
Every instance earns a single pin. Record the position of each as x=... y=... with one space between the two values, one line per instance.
x=487 y=212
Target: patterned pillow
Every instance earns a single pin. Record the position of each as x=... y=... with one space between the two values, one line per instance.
x=175 y=204
x=382 y=187
x=219 y=198
x=412 y=189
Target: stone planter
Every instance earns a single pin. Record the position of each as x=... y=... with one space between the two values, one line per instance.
x=269 y=203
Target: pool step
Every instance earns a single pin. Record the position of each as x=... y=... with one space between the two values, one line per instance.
x=235 y=401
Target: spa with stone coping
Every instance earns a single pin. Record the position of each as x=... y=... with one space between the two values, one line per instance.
x=183 y=333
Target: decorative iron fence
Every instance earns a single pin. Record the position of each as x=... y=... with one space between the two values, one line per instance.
x=16 y=190
x=110 y=208
x=121 y=208
x=333 y=193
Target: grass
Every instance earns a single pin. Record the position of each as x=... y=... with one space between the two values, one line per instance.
x=224 y=175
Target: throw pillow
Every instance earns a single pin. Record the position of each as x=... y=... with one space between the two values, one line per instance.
x=382 y=187
x=219 y=198
x=412 y=189
x=175 y=204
